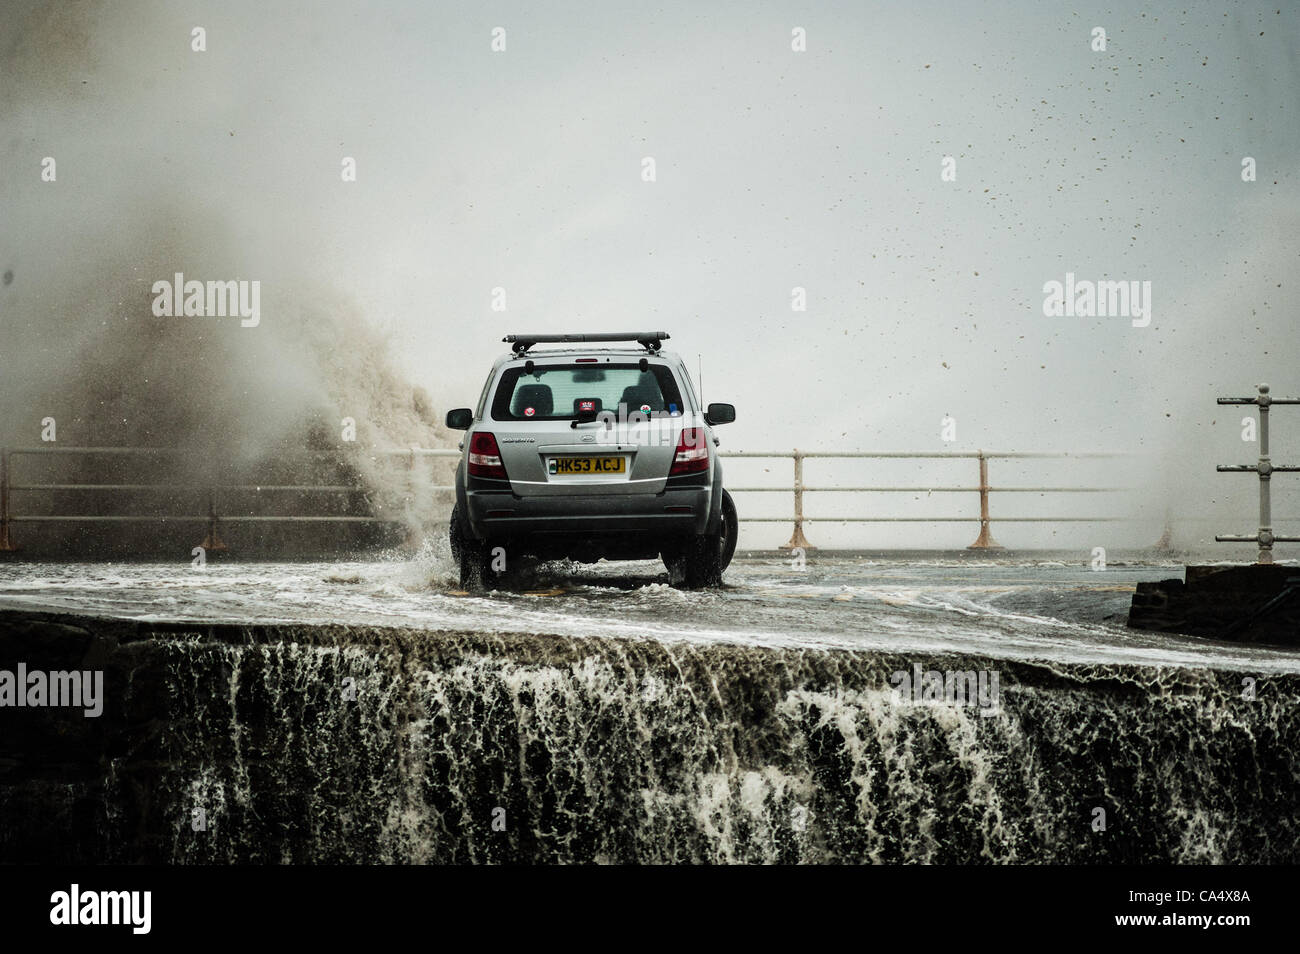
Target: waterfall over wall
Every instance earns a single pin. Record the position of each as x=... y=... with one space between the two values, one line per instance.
x=330 y=744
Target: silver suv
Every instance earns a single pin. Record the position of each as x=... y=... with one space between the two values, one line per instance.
x=589 y=452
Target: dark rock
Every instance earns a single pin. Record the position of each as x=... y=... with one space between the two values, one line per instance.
x=1224 y=601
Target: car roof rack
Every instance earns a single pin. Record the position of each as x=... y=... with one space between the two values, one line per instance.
x=652 y=341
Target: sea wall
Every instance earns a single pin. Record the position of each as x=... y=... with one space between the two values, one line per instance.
x=223 y=743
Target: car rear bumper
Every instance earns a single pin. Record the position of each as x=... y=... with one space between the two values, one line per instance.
x=606 y=522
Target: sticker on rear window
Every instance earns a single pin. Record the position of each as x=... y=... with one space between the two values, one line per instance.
x=586 y=405
x=645 y=408
x=529 y=411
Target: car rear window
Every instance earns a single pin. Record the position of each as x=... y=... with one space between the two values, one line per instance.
x=557 y=392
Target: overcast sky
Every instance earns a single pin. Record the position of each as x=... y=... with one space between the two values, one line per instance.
x=775 y=169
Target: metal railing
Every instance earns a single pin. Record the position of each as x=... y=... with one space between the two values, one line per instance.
x=214 y=517
x=1265 y=536
x=985 y=539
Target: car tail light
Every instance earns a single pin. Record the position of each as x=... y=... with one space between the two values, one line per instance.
x=485 y=456
x=692 y=453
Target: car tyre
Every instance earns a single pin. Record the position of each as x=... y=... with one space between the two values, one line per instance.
x=730 y=528
x=473 y=557
x=701 y=562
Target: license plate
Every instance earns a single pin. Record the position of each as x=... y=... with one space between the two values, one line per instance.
x=586 y=465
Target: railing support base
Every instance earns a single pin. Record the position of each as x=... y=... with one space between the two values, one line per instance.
x=797 y=540
x=213 y=543
x=985 y=540
x=213 y=546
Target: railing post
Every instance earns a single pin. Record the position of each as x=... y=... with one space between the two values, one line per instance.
x=1265 y=481
x=985 y=540
x=6 y=544
x=1166 y=542
x=1265 y=468
x=212 y=543
x=413 y=535
x=797 y=540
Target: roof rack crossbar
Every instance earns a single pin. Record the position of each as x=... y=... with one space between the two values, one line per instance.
x=652 y=341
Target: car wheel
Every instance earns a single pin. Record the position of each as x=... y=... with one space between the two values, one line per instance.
x=472 y=556
x=700 y=562
x=730 y=529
